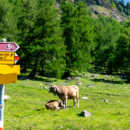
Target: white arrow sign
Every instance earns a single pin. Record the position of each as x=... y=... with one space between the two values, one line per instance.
x=9 y=46
x=17 y=58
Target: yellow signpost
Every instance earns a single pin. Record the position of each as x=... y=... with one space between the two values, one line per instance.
x=7 y=58
x=8 y=71
x=12 y=78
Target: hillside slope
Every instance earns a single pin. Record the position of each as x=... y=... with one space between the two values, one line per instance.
x=108 y=8
x=105 y=3
x=98 y=10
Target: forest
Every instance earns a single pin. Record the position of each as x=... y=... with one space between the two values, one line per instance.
x=63 y=39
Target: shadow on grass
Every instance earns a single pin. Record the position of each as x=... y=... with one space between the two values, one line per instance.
x=41 y=109
x=108 y=81
x=37 y=78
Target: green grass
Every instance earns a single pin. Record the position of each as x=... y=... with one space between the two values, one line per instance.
x=26 y=110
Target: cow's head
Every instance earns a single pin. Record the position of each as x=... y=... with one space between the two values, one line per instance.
x=53 y=89
x=61 y=104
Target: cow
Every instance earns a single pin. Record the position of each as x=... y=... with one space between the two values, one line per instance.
x=65 y=93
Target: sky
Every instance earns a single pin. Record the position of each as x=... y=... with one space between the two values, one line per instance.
x=127 y=1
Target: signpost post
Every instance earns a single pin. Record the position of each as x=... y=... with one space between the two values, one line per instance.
x=8 y=71
x=2 y=90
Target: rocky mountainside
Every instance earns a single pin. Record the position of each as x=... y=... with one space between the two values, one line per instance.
x=107 y=8
x=107 y=12
x=105 y=3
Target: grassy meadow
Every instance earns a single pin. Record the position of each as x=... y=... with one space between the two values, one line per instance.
x=108 y=101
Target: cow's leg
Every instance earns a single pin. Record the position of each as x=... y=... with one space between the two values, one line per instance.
x=77 y=102
x=74 y=102
x=66 y=102
x=57 y=108
x=77 y=99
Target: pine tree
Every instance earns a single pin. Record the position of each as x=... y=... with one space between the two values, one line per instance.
x=78 y=34
x=8 y=24
x=122 y=60
x=26 y=16
x=47 y=47
x=107 y=32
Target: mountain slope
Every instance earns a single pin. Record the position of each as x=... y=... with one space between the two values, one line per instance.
x=108 y=8
x=107 y=12
x=112 y=8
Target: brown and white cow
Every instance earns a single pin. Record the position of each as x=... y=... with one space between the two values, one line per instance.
x=65 y=93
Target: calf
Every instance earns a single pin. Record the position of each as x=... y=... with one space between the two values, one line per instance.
x=54 y=105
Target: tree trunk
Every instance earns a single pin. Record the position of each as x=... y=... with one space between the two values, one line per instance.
x=34 y=70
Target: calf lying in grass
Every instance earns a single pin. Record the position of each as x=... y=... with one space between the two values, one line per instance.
x=54 y=105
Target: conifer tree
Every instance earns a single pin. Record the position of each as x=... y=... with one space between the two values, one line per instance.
x=122 y=53
x=26 y=17
x=107 y=33
x=47 y=47
x=8 y=24
x=78 y=34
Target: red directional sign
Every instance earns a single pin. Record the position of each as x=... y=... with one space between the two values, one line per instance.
x=8 y=46
x=17 y=58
